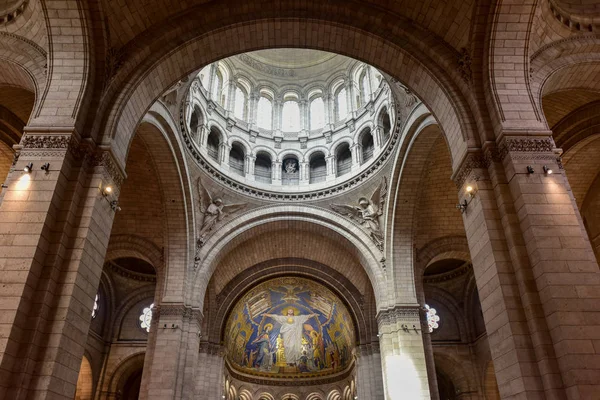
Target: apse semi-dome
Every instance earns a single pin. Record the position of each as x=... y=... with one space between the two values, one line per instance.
x=288 y=120
x=289 y=328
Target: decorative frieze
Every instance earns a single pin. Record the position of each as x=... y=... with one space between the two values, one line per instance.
x=400 y=314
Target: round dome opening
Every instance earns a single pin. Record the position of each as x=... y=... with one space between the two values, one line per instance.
x=288 y=120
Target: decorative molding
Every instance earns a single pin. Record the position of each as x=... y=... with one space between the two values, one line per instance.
x=179 y=310
x=137 y=276
x=265 y=68
x=519 y=148
x=36 y=46
x=15 y=11
x=280 y=379
x=238 y=187
x=574 y=22
x=473 y=160
x=464 y=65
x=526 y=144
x=30 y=141
x=408 y=314
x=114 y=60
x=447 y=276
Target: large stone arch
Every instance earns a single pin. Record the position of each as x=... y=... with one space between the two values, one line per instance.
x=157 y=130
x=258 y=220
x=412 y=63
x=420 y=132
x=357 y=302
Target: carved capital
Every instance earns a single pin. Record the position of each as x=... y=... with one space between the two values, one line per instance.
x=474 y=160
x=410 y=315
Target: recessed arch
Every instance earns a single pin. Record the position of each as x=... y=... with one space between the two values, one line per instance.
x=455 y=117
x=232 y=232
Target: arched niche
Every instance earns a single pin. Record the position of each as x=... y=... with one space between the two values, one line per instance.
x=263 y=167
x=317 y=167
x=343 y=159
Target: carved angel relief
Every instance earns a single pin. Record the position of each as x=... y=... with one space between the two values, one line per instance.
x=213 y=211
x=368 y=212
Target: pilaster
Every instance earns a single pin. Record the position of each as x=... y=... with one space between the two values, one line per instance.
x=54 y=229
x=402 y=353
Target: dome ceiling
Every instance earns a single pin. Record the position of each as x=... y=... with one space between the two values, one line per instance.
x=289 y=120
x=292 y=58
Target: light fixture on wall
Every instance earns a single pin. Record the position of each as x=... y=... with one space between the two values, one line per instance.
x=28 y=168
x=547 y=170
x=462 y=206
x=530 y=169
x=107 y=192
x=46 y=167
x=470 y=190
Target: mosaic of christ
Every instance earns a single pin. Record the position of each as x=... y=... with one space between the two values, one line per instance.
x=292 y=326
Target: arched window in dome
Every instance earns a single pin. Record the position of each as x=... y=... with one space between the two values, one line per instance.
x=262 y=168
x=264 y=117
x=290 y=116
x=385 y=123
x=146 y=318
x=236 y=159
x=341 y=103
x=367 y=144
x=343 y=158
x=241 y=104
x=317 y=168
x=212 y=144
x=317 y=113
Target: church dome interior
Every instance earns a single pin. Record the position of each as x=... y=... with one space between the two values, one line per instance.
x=289 y=120
x=299 y=200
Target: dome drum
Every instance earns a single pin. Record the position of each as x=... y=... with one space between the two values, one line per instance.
x=225 y=120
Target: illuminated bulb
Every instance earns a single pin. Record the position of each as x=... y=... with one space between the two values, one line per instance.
x=28 y=167
x=547 y=170
x=469 y=189
x=108 y=189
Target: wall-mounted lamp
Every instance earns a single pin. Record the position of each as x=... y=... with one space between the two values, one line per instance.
x=547 y=170
x=470 y=190
x=462 y=206
x=530 y=169
x=28 y=168
x=107 y=190
x=115 y=205
x=46 y=167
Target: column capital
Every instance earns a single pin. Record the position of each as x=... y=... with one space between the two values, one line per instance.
x=408 y=314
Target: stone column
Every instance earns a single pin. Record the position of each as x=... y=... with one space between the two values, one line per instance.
x=402 y=354
x=209 y=378
x=211 y=82
x=224 y=155
x=517 y=332
x=561 y=266
x=369 y=378
x=230 y=106
x=54 y=230
x=328 y=111
x=331 y=168
x=356 y=150
x=249 y=165
x=276 y=125
x=304 y=122
x=378 y=138
x=170 y=367
x=253 y=109
x=304 y=173
x=276 y=172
